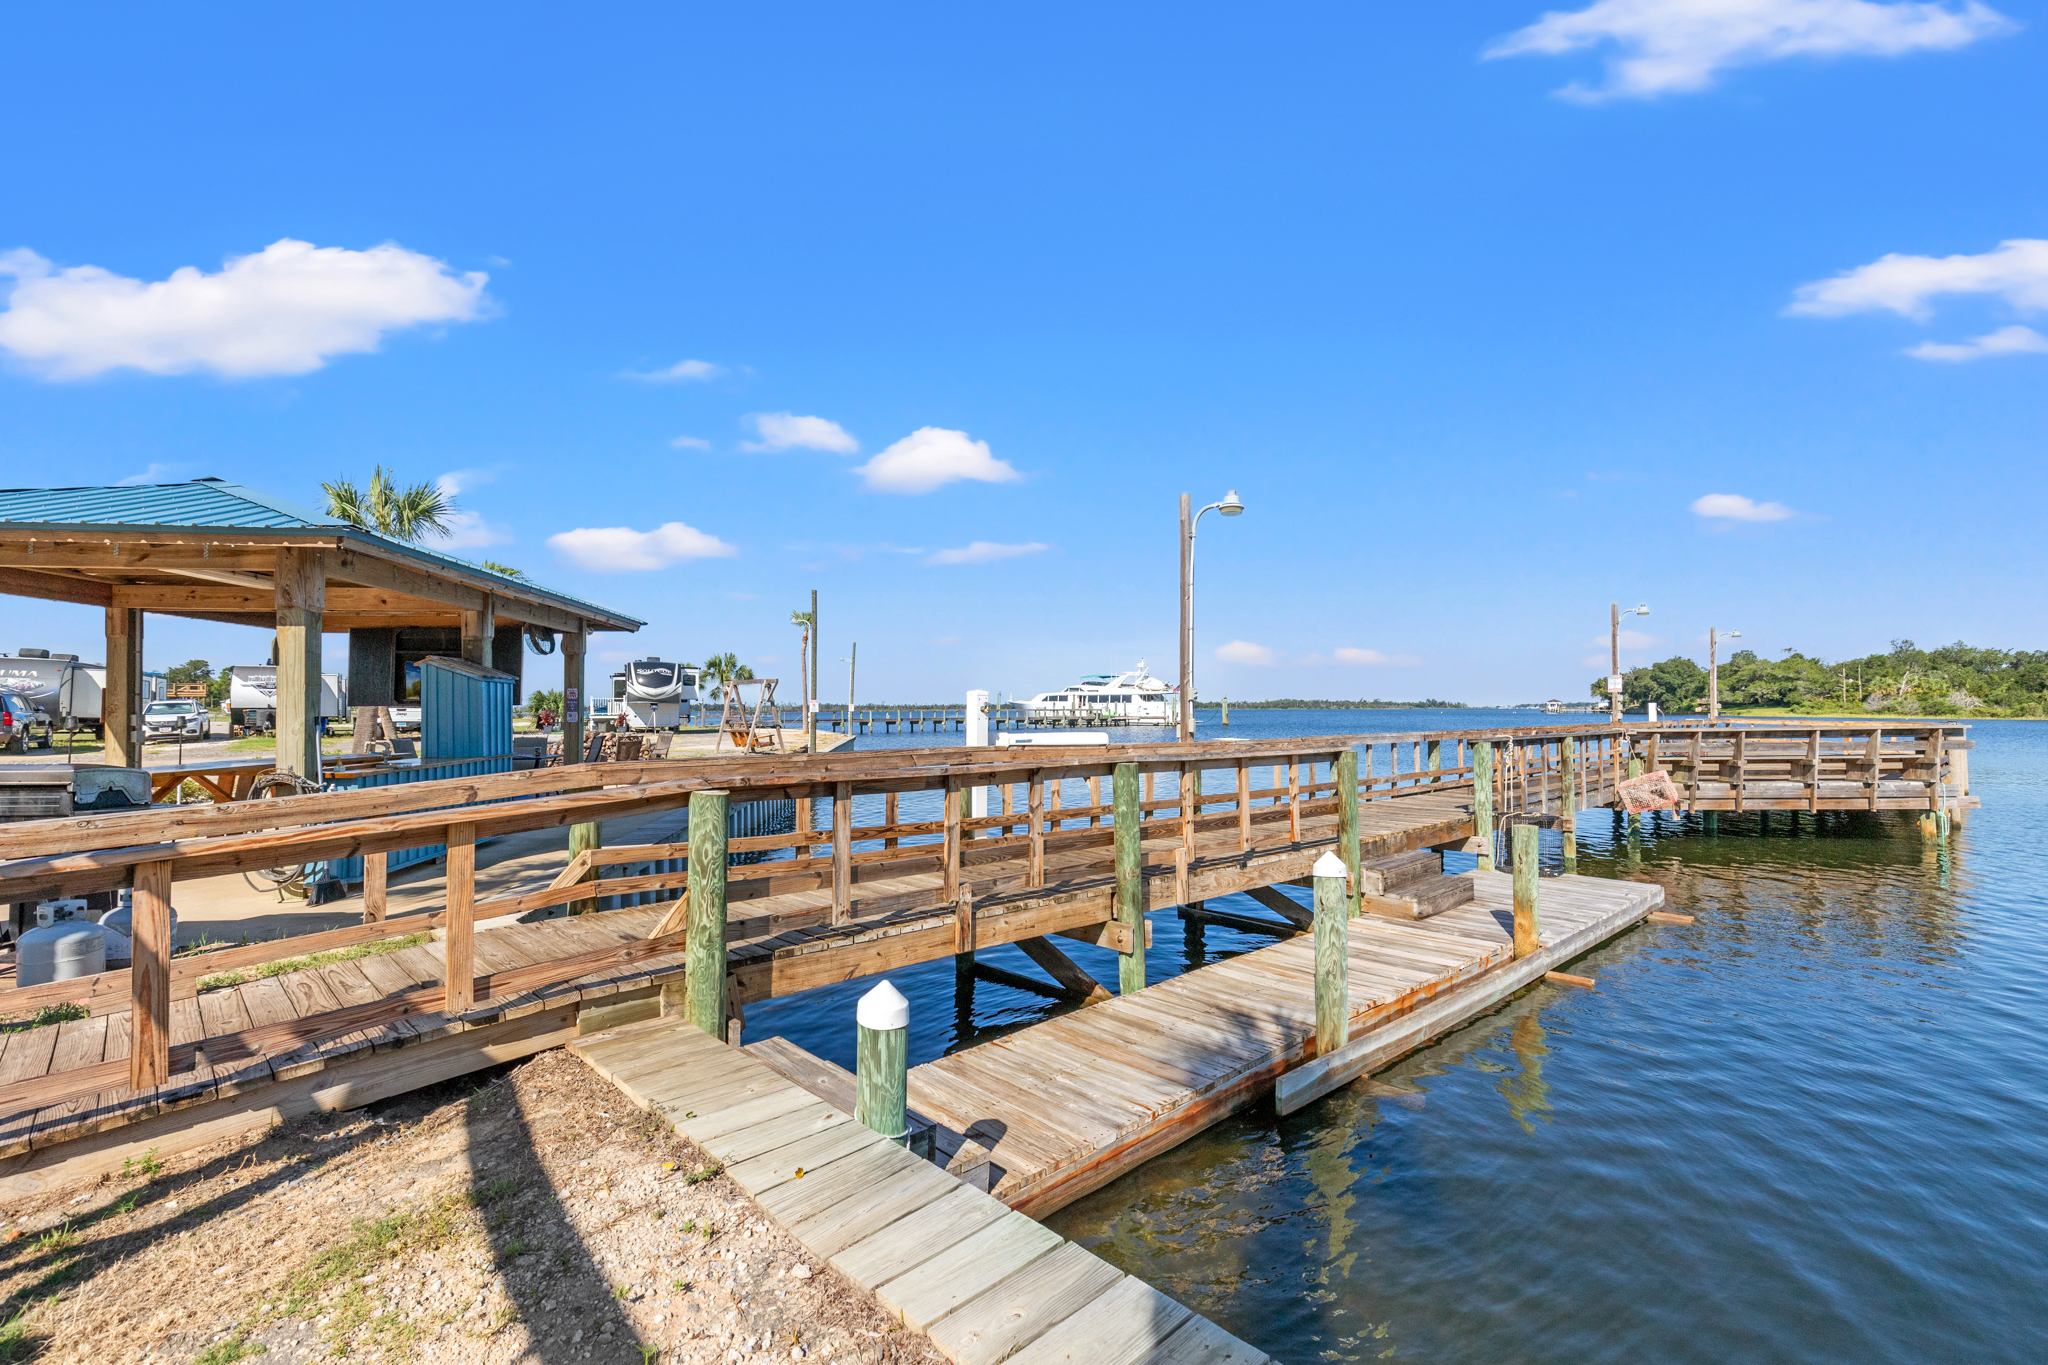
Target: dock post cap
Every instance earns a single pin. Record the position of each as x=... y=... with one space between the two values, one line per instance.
x=1330 y=865
x=882 y=1009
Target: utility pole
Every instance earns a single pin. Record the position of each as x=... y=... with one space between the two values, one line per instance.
x=1614 y=663
x=1714 y=671
x=1187 y=621
x=811 y=688
x=852 y=659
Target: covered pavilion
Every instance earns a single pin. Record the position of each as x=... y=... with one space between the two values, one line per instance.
x=216 y=551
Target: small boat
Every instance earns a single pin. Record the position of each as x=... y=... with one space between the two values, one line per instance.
x=1133 y=698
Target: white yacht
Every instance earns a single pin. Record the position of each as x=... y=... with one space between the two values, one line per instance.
x=1133 y=698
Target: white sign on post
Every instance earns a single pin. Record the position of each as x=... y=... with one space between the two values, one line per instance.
x=1614 y=684
x=977 y=737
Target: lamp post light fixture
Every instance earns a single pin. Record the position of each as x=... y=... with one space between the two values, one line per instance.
x=1229 y=507
x=1615 y=613
x=1714 y=671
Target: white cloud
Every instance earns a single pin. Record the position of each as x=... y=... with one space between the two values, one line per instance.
x=288 y=309
x=2016 y=272
x=984 y=552
x=690 y=443
x=682 y=372
x=1245 y=652
x=1678 y=46
x=1348 y=655
x=468 y=530
x=932 y=457
x=2005 y=341
x=1735 y=507
x=620 y=549
x=787 y=431
x=155 y=473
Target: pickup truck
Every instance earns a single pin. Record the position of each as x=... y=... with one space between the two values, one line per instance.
x=405 y=717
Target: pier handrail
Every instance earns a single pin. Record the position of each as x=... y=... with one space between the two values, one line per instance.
x=152 y=849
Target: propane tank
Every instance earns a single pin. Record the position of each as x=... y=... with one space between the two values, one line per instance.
x=119 y=923
x=58 y=950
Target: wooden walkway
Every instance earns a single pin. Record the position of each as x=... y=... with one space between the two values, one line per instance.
x=64 y=1093
x=984 y=1283
x=1063 y=1107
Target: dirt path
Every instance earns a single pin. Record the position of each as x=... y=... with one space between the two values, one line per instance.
x=534 y=1216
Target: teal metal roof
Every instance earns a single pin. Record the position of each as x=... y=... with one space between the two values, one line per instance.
x=217 y=505
x=206 y=503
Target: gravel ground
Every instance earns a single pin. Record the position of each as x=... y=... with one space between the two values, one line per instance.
x=531 y=1215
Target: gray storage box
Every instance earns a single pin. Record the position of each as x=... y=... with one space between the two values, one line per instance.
x=36 y=793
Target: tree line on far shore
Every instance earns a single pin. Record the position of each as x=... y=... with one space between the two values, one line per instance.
x=1954 y=680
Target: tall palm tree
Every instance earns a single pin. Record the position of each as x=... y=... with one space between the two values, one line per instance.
x=804 y=620
x=721 y=669
x=408 y=514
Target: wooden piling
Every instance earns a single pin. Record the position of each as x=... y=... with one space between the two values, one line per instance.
x=1482 y=801
x=1130 y=877
x=1347 y=826
x=704 y=944
x=1568 y=801
x=1526 y=939
x=881 y=1092
x=1333 y=911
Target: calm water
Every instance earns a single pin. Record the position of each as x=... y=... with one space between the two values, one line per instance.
x=1809 y=1127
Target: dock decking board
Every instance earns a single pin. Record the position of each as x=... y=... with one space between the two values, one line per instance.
x=1248 y=1018
x=983 y=1282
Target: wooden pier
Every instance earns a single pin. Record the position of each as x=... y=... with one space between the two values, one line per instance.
x=986 y=1284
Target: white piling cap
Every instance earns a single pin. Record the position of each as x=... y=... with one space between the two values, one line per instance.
x=1330 y=865
x=882 y=1009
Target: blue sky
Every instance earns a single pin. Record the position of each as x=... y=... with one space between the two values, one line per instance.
x=1472 y=335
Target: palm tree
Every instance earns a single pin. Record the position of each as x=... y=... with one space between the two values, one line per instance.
x=721 y=669
x=506 y=569
x=804 y=620
x=408 y=514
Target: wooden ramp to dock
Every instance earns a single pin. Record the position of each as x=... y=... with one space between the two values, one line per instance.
x=1065 y=1106
x=984 y=1283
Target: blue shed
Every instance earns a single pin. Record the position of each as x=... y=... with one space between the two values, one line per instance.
x=465 y=710
x=465 y=730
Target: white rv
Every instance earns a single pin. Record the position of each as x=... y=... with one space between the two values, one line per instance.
x=252 y=698
x=650 y=694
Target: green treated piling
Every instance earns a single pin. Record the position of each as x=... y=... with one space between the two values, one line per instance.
x=1436 y=755
x=881 y=1061
x=1333 y=945
x=705 y=943
x=1130 y=877
x=1482 y=801
x=1347 y=824
x=1526 y=940
x=1570 y=802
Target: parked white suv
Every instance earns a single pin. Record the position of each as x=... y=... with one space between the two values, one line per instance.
x=177 y=720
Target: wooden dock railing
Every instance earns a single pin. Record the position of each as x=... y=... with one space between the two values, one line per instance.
x=1243 y=798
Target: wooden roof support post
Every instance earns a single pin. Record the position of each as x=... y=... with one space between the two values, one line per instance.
x=704 y=972
x=573 y=644
x=1130 y=875
x=477 y=627
x=301 y=602
x=149 y=1048
x=121 y=698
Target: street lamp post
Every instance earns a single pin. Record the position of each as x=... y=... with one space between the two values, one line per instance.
x=1229 y=507
x=1615 y=613
x=1714 y=670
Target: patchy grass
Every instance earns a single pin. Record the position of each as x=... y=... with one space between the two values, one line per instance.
x=17 y=1340
x=147 y=1165
x=47 y=1015
x=298 y=964
x=236 y=1347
